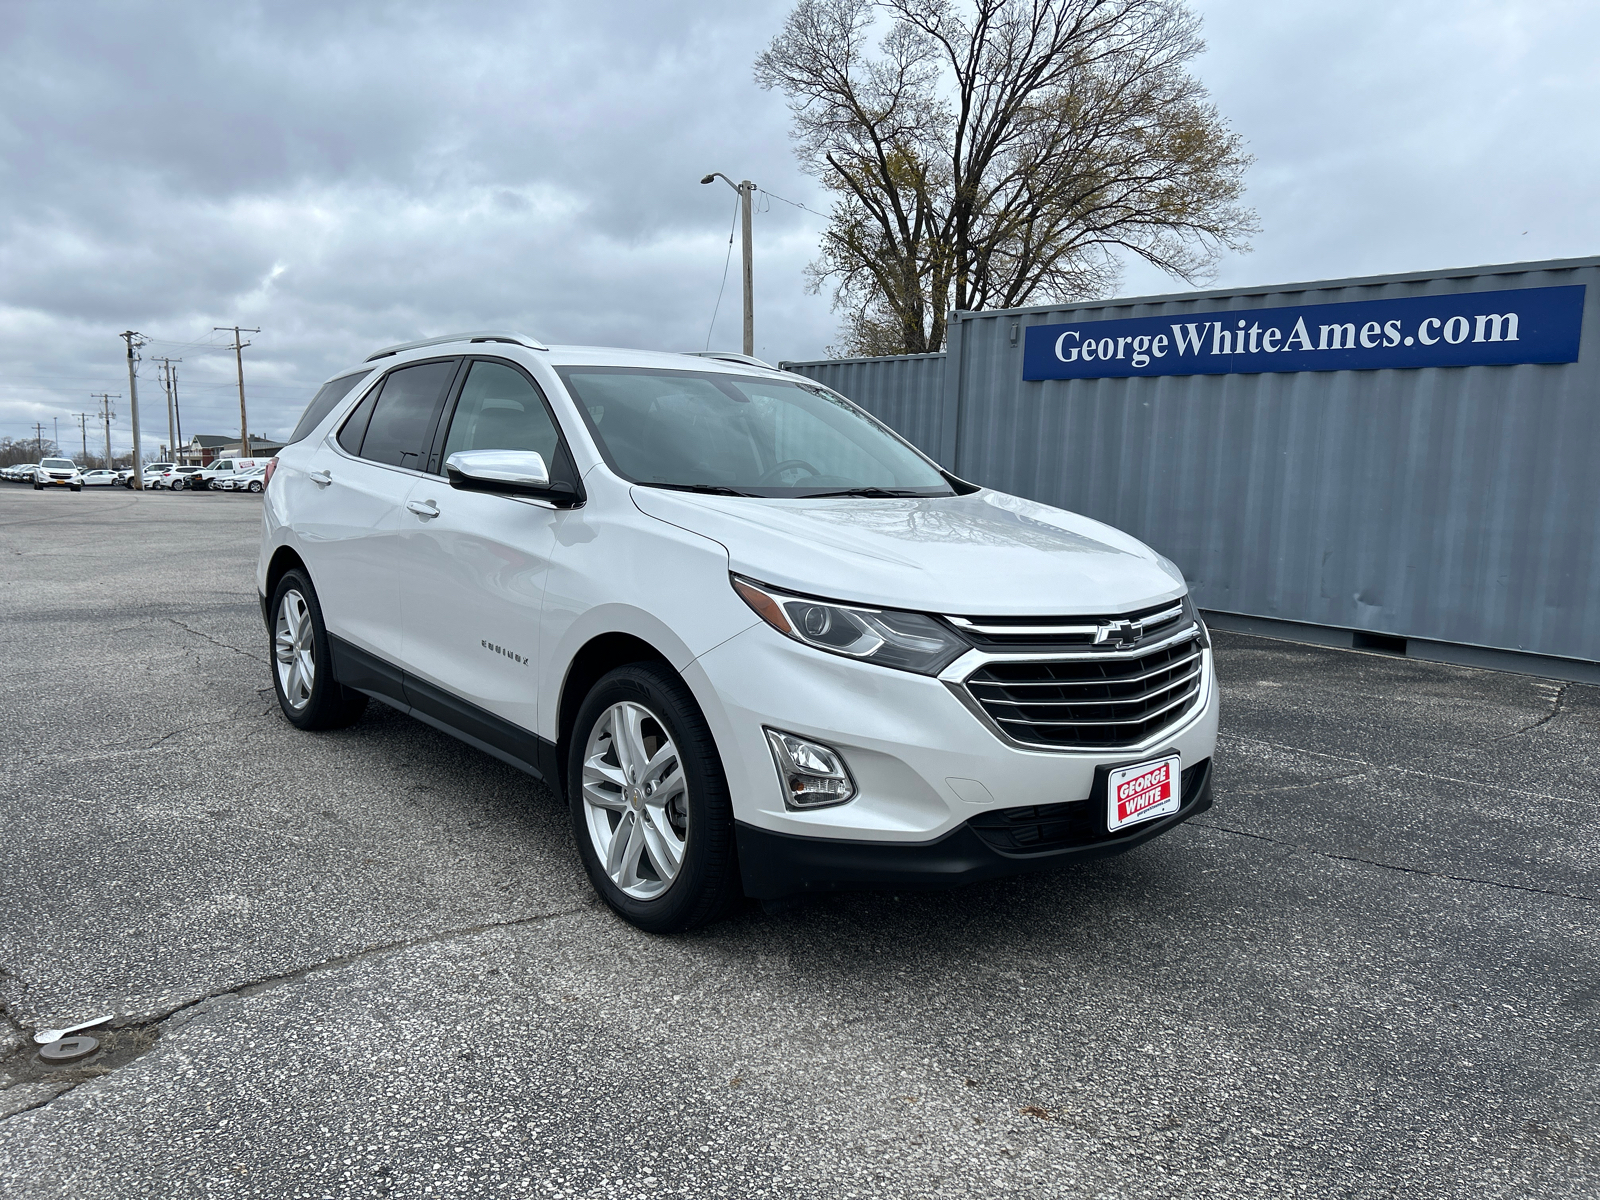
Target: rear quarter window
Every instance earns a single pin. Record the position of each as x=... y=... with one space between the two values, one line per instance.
x=323 y=403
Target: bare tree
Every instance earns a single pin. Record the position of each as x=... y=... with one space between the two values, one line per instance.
x=996 y=153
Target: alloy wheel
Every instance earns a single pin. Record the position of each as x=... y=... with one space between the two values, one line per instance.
x=295 y=649
x=636 y=800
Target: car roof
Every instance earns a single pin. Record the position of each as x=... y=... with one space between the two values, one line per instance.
x=528 y=349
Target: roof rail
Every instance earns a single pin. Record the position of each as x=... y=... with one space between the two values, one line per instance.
x=730 y=356
x=481 y=335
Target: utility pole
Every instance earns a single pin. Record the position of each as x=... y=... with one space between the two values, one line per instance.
x=167 y=383
x=131 y=337
x=177 y=412
x=56 y=421
x=38 y=439
x=105 y=399
x=238 y=356
x=83 y=428
x=746 y=191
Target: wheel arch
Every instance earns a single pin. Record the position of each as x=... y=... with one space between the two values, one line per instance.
x=602 y=653
x=283 y=560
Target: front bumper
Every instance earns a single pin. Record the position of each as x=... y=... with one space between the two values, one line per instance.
x=1000 y=842
x=924 y=762
x=55 y=482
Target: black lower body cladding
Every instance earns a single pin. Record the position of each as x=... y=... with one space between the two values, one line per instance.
x=777 y=865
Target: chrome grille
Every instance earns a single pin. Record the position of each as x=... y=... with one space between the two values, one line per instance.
x=1026 y=633
x=1091 y=701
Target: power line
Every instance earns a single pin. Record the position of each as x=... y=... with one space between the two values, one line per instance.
x=725 y=263
x=796 y=204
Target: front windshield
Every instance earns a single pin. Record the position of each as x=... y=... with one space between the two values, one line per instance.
x=706 y=431
x=59 y=464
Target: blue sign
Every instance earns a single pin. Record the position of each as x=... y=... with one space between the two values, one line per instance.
x=1524 y=325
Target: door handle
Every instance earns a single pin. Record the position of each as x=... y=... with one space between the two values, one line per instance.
x=320 y=477
x=423 y=508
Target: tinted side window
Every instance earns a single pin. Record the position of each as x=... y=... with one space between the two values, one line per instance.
x=355 y=425
x=404 y=416
x=322 y=404
x=500 y=410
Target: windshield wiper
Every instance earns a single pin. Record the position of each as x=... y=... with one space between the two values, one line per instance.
x=707 y=489
x=872 y=492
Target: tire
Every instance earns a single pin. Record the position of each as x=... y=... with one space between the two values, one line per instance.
x=79 y=488
x=296 y=631
x=691 y=799
x=37 y=486
x=255 y=485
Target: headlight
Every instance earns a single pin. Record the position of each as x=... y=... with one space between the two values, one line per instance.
x=906 y=640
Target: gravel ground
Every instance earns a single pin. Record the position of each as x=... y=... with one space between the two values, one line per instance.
x=367 y=963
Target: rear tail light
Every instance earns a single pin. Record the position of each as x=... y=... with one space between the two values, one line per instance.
x=272 y=465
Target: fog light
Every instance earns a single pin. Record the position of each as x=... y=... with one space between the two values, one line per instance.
x=814 y=775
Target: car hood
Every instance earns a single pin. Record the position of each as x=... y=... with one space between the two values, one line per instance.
x=984 y=554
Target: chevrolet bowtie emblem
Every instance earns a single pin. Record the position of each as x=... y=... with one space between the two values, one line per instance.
x=1121 y=634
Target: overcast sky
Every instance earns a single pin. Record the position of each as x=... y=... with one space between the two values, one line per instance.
x=348 y=175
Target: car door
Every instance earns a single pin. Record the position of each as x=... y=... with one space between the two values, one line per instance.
x=473 y=565
x=363 y=475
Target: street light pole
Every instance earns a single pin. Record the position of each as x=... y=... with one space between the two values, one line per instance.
x=746 y=190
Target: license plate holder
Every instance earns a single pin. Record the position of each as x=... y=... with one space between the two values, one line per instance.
x=1143 y=791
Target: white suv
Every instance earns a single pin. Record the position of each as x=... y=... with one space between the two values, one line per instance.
x=57 y=472
x=756 y=641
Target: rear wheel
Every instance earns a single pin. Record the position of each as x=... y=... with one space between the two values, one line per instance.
x=649 y=800
x=302 y=674
x=255 y=485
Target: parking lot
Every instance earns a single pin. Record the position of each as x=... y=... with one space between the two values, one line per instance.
x=368 y=963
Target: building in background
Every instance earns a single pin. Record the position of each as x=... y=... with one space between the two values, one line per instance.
x=1404 y=463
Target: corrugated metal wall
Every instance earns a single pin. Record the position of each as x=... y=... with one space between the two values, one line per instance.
x=904 y=392
x=1452 y=504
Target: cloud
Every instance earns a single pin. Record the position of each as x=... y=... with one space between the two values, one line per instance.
x=350 y=175
x=1397 y=137
x=346 y=176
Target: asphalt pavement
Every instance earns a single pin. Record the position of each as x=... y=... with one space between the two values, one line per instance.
x=367 y=963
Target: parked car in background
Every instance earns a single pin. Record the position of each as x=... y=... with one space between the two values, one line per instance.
x=177 y=479
x=152 y=472
x=57 y=472
x=245 y=481
x=100 y=478
x=20 y=473
x=225 y=468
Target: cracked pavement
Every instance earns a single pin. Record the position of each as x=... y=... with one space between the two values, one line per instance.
x=367 y=963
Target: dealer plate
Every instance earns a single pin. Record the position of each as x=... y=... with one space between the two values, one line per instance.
x=1143 y=792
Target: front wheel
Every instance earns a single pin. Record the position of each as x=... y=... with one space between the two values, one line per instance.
x=255 y=485
x=37 y=486
x=78 y=488
x=649 y=800
x=302 y=668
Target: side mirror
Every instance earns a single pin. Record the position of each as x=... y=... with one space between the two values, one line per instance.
x=507 y=472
